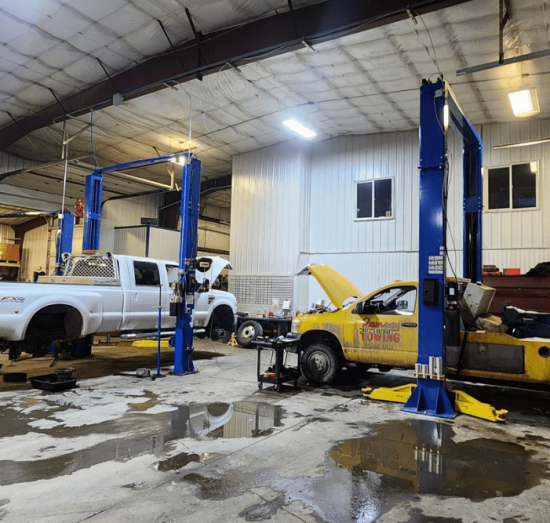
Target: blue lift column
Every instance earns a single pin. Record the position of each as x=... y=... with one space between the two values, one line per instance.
x=438 y=297
x=64 y=241
x=189 y=216
x=430 y=395
x=92 y=211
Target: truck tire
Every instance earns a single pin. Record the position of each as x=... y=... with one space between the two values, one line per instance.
x=220 y=324
x=248 y=332
x=320 y=363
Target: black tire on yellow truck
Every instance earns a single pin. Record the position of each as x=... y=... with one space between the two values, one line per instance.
x=320 y=363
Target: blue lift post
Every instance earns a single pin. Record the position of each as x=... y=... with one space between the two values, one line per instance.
x=189 y=216
x=92 y=211
x=438 y=109
x=93 y=199
x=64 y=242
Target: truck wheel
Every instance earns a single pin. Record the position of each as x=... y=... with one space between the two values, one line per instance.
x=320 y=363
x=248 y=332
x=220 y=325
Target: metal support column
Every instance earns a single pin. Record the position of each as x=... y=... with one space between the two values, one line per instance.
x=438 y=110
x=64 y=240
x=430 y=395
x=189 y=219
x=92 y=211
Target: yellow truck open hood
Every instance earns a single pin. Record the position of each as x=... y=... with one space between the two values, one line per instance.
x=336 y=285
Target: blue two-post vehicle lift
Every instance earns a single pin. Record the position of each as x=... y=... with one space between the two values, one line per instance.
x=183 y=302
x=439 y=110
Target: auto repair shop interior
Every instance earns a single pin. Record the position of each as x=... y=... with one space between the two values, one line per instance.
x=282 y=261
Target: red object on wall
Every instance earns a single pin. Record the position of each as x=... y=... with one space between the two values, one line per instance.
x=79 y=208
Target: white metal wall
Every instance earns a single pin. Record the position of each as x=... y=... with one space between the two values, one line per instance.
x=268 y=219
x=127 y=211
x=368 y=252
x=163 y=243
x=213 y=237
x=34 y=252
x=7 y=234
x=372 y=253
x=518 y=238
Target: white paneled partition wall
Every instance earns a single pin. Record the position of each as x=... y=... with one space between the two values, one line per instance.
x=292 y=206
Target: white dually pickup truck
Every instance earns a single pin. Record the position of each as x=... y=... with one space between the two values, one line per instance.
x=108 y=294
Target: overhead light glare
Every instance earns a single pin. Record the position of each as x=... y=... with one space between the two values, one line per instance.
x=522 y=144
x=297 y=127
x=524 y=103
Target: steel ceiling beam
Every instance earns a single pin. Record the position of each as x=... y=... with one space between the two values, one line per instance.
x=271 y=35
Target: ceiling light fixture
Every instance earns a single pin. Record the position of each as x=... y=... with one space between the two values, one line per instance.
x=524 y=102
x=297 y=127
x=522 y=144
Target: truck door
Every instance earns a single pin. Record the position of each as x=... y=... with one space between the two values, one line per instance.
x=383 y=329
x=144 y=300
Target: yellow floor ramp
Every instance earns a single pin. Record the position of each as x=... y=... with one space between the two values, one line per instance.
x=151 y=343
x=463 y=403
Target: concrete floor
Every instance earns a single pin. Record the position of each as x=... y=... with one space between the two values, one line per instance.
x=211 y=447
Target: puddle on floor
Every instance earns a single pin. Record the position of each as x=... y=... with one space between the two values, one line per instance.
x=364 y=478
x=420 y=456
x=140 y=434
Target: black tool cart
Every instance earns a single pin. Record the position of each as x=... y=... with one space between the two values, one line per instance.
x=278 y=373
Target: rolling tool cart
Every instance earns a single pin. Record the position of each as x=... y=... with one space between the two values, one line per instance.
x=278 y=373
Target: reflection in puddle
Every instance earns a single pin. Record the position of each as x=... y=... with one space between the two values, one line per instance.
x=145 y=434
x=420 y=456
x=243 y=419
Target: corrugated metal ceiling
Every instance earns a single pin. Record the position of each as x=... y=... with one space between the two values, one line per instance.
x=361 y=83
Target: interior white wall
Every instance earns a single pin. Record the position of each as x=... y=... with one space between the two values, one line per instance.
x=320 y=182
x=34 y=252
x=124 y=212
x=269 y=214
x=518 y=238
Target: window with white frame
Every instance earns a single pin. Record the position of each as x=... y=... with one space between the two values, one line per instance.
x=512 y=187
x=374 y=199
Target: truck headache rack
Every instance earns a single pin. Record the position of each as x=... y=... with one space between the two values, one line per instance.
x=95 y=266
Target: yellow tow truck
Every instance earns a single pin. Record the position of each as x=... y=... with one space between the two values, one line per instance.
x=381 y=330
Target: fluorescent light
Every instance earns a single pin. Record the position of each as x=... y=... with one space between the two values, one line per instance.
x=522 y=144
x=297 y=127
x=524 y=103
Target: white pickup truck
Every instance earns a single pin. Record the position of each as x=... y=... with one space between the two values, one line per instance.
x=105 y=294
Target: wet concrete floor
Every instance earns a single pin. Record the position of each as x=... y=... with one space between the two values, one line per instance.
x=211 y=447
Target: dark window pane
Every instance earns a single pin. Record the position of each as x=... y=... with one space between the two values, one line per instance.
x=524 y=186
x=364 y=200
x=382 y=198
x=146 y=273
x=499 y=188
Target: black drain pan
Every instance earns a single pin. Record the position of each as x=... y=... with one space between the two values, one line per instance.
x=52 y=383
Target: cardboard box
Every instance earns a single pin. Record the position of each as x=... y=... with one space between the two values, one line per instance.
x=9 y=252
